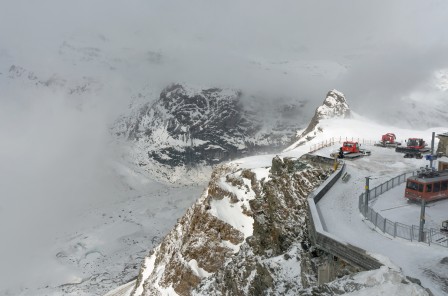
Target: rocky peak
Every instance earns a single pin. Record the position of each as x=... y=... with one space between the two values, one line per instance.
x=334 y=106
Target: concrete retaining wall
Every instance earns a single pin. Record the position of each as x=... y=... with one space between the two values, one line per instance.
x=328 y=242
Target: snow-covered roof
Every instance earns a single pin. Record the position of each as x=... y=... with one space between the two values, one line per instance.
x=443 y=159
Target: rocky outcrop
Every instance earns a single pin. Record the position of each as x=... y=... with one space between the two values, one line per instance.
x=231 y=241
x=334 y=106
x=189 y=128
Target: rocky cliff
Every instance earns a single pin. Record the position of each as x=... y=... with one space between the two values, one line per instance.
x=247 y=235
x=246 y=229
x=188 y=129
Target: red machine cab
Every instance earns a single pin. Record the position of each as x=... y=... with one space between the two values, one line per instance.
x=350 y=147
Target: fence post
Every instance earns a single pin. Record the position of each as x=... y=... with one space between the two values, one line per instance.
x=367 y=193
x=412 y=232
x=384 y=225
x=395 y=229
x=376 y=219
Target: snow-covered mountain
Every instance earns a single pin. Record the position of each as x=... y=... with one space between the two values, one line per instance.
x=231 y=240
x=334 y=106
x=90 y=213
x=247 y=234
x=190 y=129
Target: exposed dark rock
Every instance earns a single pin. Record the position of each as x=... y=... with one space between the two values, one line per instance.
x=202 y=127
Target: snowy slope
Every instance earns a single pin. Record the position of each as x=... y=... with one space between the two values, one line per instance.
x=388 y=279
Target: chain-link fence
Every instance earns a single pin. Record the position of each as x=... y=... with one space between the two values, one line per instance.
x=396 y=229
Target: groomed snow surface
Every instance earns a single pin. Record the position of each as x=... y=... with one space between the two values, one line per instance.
x=339 y=207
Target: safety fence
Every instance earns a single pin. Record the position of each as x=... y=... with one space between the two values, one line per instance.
x=356 y=139
x=320 y=145
x=332 y=141
x=396 y=229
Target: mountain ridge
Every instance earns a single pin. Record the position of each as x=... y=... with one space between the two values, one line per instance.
x=191 y=129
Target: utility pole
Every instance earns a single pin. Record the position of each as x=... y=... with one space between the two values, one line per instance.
x=432 y=149
x=366 y=196
x=421 y=233
x=421 y=237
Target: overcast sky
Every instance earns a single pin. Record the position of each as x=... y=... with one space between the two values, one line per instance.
x=376 y=52
x=373 y=49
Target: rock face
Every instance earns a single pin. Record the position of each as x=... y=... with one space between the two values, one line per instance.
x=334 y=106
x=190 y=128
x=232 y=240
x=247 y=235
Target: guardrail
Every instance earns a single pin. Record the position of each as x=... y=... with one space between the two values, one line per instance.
x=396 y=229
x=322 y=144
x=328 y=242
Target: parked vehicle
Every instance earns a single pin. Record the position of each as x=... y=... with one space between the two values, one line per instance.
x=388 y=140
x=350 y=150
x=413 y=145
x=428 y=185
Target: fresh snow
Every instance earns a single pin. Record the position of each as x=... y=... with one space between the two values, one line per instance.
x=339 y=207
x=148 y=268
x=394 y=206
x=232 y=213
x=197 y=270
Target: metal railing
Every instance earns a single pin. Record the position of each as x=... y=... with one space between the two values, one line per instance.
x=332 y=141
x=320 y=145
x=396 y=229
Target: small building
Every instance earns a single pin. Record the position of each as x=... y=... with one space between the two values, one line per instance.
x=442 y=163
x=442 y=148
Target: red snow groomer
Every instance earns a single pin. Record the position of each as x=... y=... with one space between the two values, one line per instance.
x=388 y=140
x=413 y=145
x=350 y=150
